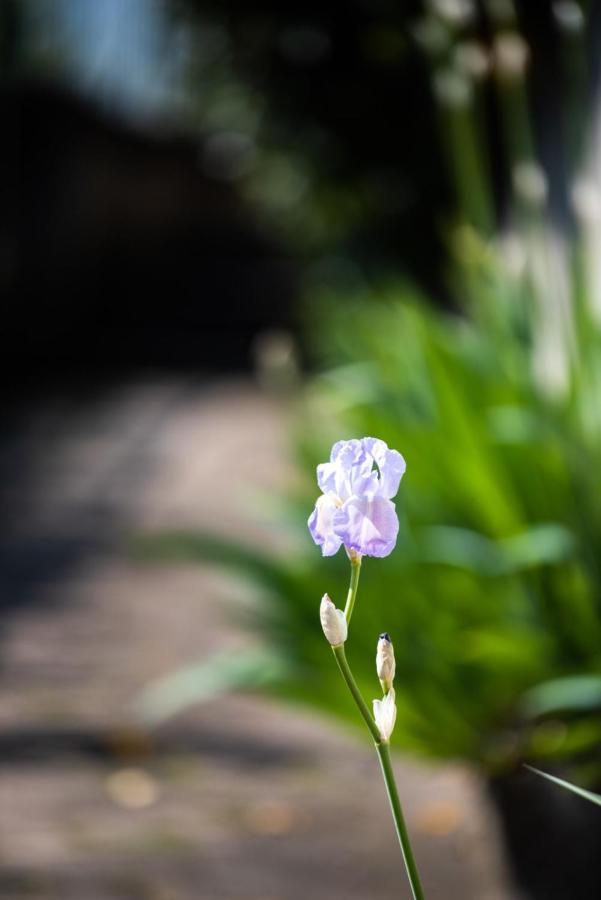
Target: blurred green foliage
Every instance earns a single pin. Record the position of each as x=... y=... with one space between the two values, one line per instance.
x=494 y=587
x=493 y=594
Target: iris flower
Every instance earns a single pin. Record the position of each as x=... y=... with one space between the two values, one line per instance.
x=355 y=508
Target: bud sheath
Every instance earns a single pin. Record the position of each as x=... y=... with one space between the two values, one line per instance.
x=385 y=715
x=333 y=622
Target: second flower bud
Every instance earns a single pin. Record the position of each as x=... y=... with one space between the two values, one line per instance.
x=385 y=662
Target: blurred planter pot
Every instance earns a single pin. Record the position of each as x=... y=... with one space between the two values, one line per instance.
x=553 y=838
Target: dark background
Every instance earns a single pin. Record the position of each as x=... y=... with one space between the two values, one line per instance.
x=128 y=236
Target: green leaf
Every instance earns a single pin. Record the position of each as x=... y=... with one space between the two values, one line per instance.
x=587 y=795
x=460 y=547
x=542 y=544
x=575 y=693
x=199 y=682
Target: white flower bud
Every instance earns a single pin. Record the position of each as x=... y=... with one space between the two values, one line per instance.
x=385 y=663
x=452 y=88
x=530 y=182
x=385 y=715
x=586 y=201
x=511 y=53
x=569 y=16
x=472 y=59
x=455 y=12
x=333 y=622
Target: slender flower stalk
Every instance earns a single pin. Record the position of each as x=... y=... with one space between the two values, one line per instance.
x=352 y=591
x=383 y=751
x=345 y=671
x=355 y=510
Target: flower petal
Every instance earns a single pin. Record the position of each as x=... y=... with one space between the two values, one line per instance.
x=321 y=524
x=354 y=466
x=326 y=477
x=390 y=463
x=368 y=525
x=385 y=714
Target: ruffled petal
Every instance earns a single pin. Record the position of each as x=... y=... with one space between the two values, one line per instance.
x=390 y=463
x=321 y=524
x=326 y=477
x=368 y=525
x=354 y=469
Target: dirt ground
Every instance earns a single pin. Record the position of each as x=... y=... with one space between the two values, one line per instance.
x=238 y=797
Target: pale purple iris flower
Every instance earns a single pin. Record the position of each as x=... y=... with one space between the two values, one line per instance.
x=356 y=508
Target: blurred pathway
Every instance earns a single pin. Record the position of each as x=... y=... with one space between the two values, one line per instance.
x=238 y=798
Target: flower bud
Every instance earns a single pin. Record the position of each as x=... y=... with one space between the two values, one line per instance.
x=385 y=663
x=511 y=54
x=385 y=715
x=529 y=182
x=333 y=622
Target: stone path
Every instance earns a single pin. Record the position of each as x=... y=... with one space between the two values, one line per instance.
x=236 y=798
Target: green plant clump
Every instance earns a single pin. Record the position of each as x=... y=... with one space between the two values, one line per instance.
x=493 y=594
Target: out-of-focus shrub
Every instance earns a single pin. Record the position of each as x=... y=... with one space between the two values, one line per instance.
x=493 y=595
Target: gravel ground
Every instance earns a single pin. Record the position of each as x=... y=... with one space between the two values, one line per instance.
x=239 y=797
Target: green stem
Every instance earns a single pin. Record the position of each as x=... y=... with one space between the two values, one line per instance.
x=346 y=673
x=383 y=751
x=352 y=591
x=382 y=747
